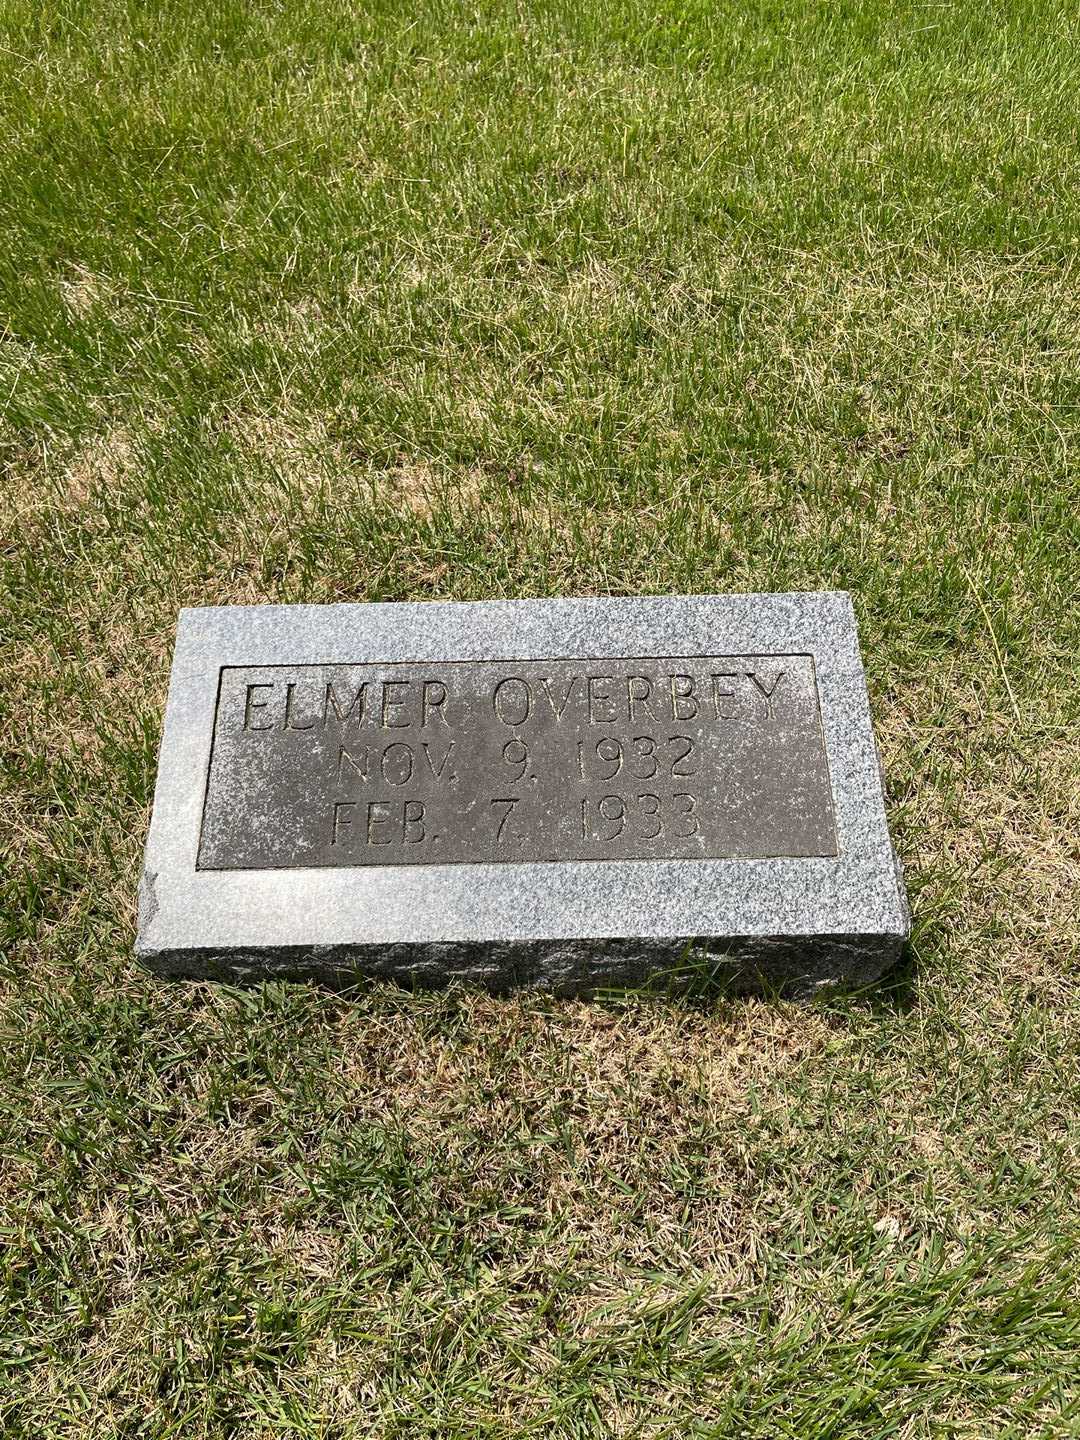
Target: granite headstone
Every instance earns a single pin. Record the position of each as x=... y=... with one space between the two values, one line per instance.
x=569 y=793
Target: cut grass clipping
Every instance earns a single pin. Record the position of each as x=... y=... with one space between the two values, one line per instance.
x=323 y=301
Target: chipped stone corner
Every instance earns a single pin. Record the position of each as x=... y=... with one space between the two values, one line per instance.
x=148 y=903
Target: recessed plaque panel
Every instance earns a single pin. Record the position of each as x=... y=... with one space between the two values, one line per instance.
x=687 y=757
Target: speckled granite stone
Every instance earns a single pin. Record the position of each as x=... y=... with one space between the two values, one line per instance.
x=830 y=910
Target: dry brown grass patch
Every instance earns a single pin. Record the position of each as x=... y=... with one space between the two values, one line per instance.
x=82 y=290
x=42 y=489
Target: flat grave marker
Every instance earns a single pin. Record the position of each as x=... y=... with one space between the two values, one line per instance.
x=562 y=792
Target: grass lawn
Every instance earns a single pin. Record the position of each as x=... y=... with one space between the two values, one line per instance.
x=321 y=300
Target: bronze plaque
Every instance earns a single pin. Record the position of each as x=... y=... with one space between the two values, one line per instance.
x=479 y=761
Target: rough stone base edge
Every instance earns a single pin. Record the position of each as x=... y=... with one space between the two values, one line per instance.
x=795 y=967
